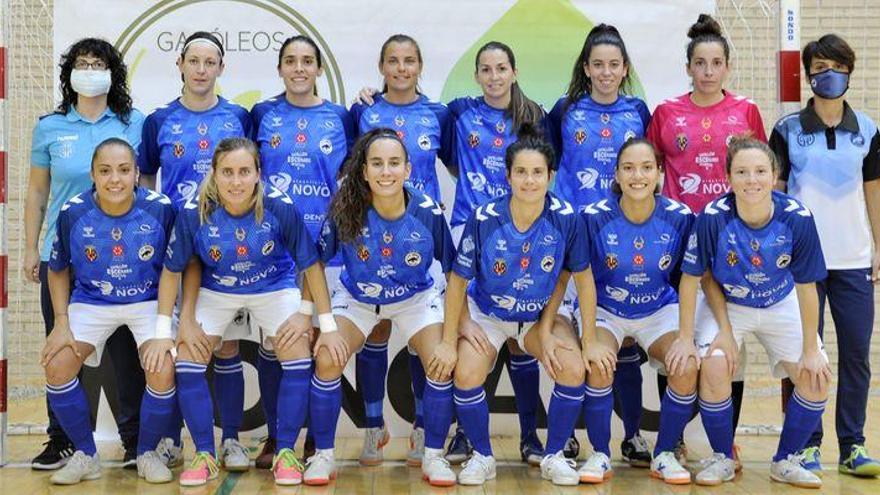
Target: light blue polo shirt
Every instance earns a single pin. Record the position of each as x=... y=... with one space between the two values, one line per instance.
x=64 y=143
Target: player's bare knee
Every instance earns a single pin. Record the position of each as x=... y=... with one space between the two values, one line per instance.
x=325 y=367
x=162 y=381
x=595 y=378
x=184 y=354
x=684 y=383
x=298 y=350
x=62 y=368
x=467 y=375
x=228 y=349
x=714 y=379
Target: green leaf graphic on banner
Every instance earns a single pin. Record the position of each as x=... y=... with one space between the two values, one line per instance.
x=546 y=36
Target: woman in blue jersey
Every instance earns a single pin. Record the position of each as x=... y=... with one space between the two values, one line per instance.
x=762 y=250
x=248 y=241
x=638 y=241
x=590 y=123
x=303 y=141
x=519 y=249
x=114 y=236
x=179 y=139
x=388 y=234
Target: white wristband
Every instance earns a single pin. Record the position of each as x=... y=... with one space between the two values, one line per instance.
x=327 y=323
x=306 y=308
x=163 y=327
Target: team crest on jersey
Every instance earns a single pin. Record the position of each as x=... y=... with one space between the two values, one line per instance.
x=639 y=242
x=857 y=139
x=497 y=143
x=665 y=261
x=214 y=253
x=146 y=252
x=240 y=233
x=732 y=258
x=580 y=136
x=500 y=126
x=363 y=253
x=783 y=260
x=275 y=140
x=707 y=138
x=611 y=261
x=326 y=146
x=754 y=244
x=424 y=142
x=178 y=149
x=300 y=137
x=413 y=258
x=639 y=259
x=526 y=247
x=756 y=260
x=302 y=123
x=241 y=250
x=474 y=139
x=204 y=144
x=387 y=237
x=116 y=233
x=400 y=134
x=91 y=253
x=399 y=121
x=118 y=250
x=524 y=262
x=499 y=267
x=681 y=140
x=605 y=118
x=706 y=123
x=386 y=252
x=268 y=247
x=605 y=133
x=547 y=263
x=805 y=140
x=202 y=128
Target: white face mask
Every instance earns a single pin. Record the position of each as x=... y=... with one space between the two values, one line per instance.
x=90 y=83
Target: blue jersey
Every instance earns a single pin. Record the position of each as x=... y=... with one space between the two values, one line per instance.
x=389 y=260
x=181 y=142
x=515 y=272
x=301 y=152
x=239 y=254
x=481 y=137
x=115 y=259
x=587 y=138
x=634 y=264
x=425 y=128
x=756 y=267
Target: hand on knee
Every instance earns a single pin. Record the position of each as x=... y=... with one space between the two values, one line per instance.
x=597 y=380
x=686 y=382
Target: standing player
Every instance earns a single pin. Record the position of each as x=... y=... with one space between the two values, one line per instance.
x=763 y=250
x=303 y=141
x=114 y=235
x=95 y=105
x=248 y=241
x=179 y=140
x=830 y=159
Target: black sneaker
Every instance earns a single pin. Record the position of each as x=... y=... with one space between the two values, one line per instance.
x=530 y=449
x=309 y=448
x=459 y=448
x=572 y=448
x=129 y=460
x=54 y=455
x=636 y=452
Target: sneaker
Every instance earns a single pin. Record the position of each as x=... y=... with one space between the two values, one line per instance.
x=266 y=458
x=129 y=459
x=320 y=468
x=436 y=470
x=596 y=469
x=54 y=455
x=374 y=440
x=572 y=448
x=416 y=448
x=636 y=452
x=152 y=468
x=202 y=469
x=681 y=453
x=171 y=455
x=477 y=470
x=667 y=468
x=234 y=456
x=811 y=460
x=859 y=463
x=460 y=448
x=308 y=447
x=79 y=467
x=530 y=449
x=287 y=469
x=559 y=470
x=789 y=471
x=716 y=470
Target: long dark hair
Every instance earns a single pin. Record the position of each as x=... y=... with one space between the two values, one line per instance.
x=530 y=138
x=302 y=39
x=400 y=38
x=118 y=99
x=706 y=30
x=520 y=109
x=348 y=208
x=580 y=84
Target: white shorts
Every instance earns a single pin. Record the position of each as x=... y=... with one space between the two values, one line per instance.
x=777 y=328
x=645 y=330
x=218 y=313
x=410 y=315
x=498 y=331
x=95 y=323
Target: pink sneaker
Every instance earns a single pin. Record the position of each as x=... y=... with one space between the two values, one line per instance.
x=202 y=469
x=286 y=468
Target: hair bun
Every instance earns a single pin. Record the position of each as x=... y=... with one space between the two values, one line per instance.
x=529 y=130
x=705 y=26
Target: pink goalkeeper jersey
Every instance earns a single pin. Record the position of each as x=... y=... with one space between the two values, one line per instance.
x=693 y=141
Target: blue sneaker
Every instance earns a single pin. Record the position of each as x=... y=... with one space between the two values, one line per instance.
x=530 y=449
x=859 y=463
x=811 y=460
x=459 y=448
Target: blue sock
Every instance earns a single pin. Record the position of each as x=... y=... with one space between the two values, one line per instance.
x=69 y=403
x=525 y=378
x=718 y=423
x=157 y=410
x=195 y=403
x=628 y=389
x=473 y=416
x=371 y=368
x=293 y=400
x=175 y=423
x=438 y=404
x=565 y=405
x=417 y=372
x=325 y=402
x=675 y=412
x=598 y=403
x=229 y=394
x=269 y=375
x=801 y=418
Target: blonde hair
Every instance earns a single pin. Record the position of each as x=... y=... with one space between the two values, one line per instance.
x=209 y=195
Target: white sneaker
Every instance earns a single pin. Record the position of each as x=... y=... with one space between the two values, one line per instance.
x=234 y=456
x=716 y=470
x=597 y=469
x=374 y=440
x=152 y=468
x=667 y=468
x=171 y=454
x=416 y=448
x=477 y=470
x=320 y=468
x=789 y=470
x=436 y=469
x=80 y=467
x=559 y=470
